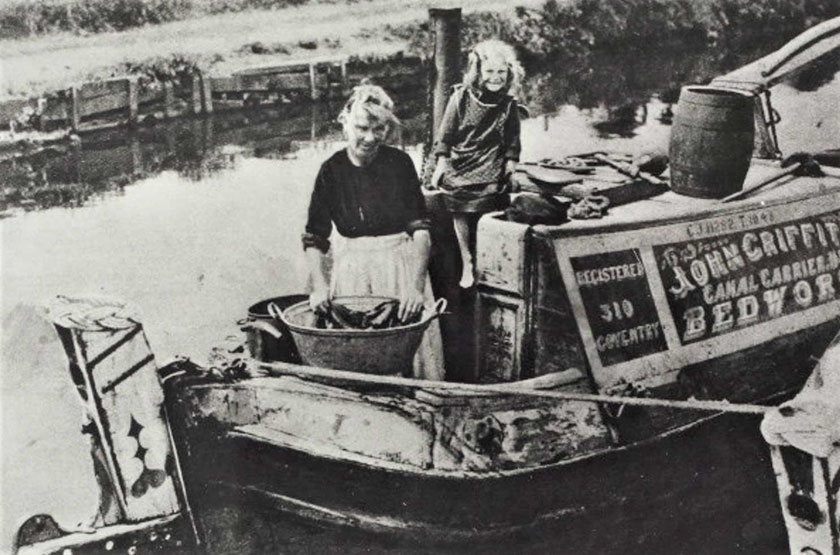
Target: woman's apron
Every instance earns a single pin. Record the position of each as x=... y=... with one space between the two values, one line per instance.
x=384 y=265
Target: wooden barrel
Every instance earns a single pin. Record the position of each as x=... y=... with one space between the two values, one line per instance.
x=711 y=141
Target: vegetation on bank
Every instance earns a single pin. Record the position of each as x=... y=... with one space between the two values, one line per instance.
x=21 y=18
x=572 y=27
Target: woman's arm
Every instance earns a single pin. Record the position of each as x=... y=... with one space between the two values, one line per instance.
x=316 y=242
x=319 y=299
x=412 y=302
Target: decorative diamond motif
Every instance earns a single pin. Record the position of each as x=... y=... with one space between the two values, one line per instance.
x=135 y=428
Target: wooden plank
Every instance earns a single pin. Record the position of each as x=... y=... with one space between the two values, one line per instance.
x=101 y=104
x=501 y=334
x=502 y=254
x=291 y=67
x=292 y=81
x=93 y=89
x=149 y=96
x=223 y=83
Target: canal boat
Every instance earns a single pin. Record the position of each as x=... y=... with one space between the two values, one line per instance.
x=621 y=365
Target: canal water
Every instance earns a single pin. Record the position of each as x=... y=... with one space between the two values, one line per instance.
x=194 y=221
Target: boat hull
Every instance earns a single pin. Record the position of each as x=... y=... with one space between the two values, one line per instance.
x=651 y=497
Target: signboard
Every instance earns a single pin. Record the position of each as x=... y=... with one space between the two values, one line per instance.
x=649 y=301
x=619 y=305
x=728 y=282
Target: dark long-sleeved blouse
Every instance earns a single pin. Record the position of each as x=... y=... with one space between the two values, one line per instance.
x=381 y=198
x=473 y=121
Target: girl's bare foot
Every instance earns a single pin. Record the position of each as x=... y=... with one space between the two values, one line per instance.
x=467 y=277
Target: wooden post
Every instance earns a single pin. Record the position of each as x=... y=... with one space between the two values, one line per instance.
x=195 y=93
x=74 y=108
x=136 y=155
x=206 y=94
x=131 y=85
x=314 y=93
x=168 y=99
x=446 y=24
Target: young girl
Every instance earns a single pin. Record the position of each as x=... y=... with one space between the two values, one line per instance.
x=478 y=142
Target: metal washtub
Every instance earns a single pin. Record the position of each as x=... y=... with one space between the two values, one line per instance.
x=372 y=351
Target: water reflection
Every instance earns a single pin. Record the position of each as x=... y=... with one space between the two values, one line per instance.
x=617 y=93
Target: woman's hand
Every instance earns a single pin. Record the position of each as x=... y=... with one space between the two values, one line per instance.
x=410 y=304
x=319 y=300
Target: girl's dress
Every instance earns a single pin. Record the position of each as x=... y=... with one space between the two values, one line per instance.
x=375 y=209
x=479 y=131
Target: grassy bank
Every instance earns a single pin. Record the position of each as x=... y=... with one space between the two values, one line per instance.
x=22 y=18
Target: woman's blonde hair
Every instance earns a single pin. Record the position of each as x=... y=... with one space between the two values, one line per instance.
x=494 y=49
x=373 y=100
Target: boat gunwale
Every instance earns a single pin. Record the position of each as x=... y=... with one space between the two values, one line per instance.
x=404 y=469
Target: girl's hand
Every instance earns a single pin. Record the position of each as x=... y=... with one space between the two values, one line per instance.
x=510 y=167
x=319 y=300
x=437 y=175
x=410 y=304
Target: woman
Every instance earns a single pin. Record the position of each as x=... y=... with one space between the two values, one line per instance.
x=371 y=192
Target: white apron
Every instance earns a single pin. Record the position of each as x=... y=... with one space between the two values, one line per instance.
x=384 y=266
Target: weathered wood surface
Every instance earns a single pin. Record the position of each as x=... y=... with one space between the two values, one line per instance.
x=108 y=349
x=503 y=257
x=593 y=504
x=168 y=533
x=426 y=430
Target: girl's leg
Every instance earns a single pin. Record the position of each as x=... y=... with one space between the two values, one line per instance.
x=462 y=232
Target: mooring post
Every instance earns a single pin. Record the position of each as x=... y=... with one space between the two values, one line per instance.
x=75 y=109
x=131 y=86
x=168 y=99
x=206 y=94
x=195 y=93
x=446 y=25
x=314 y=93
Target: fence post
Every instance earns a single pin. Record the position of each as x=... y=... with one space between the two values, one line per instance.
x=206 y=94
x=168 y=99
x=131 y=86
x=195 y=93
x=314 y=93
x=75 y=100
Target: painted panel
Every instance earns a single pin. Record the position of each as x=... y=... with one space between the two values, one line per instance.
x=723 y=283
x=619 y=305
x=754 y=275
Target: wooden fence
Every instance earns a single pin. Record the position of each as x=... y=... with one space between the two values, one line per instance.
x=126 y=100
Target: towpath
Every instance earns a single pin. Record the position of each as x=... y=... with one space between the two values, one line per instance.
x=47 y=63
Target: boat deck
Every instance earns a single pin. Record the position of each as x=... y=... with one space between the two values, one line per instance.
x=670 y=206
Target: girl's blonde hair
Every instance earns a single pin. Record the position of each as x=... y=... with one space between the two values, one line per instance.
x=373 y=100
x=494 y=49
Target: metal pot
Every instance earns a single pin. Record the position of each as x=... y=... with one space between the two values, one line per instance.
x=267 y=337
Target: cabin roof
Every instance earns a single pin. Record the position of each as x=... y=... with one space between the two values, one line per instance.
x=670 y=207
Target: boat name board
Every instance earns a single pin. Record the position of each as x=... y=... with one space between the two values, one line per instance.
x=651 y=301
x=728 y=282
x=619 y=305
